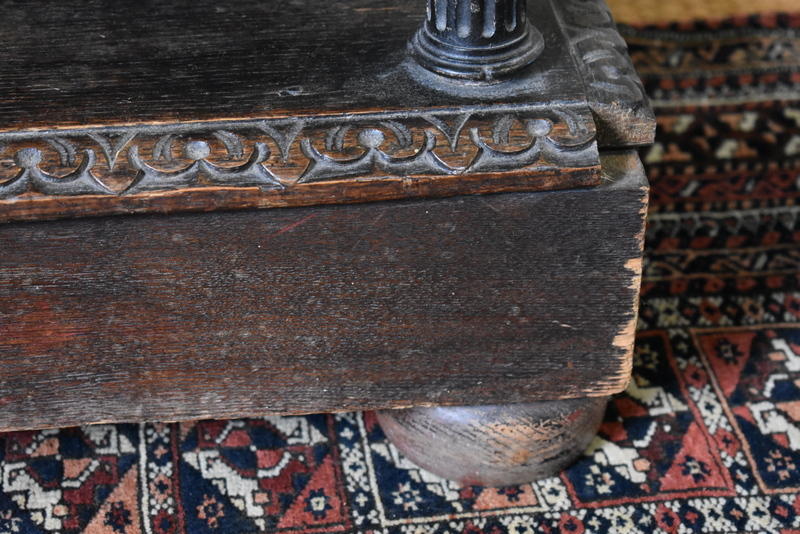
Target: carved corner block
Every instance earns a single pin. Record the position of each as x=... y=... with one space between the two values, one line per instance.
x=615 y=92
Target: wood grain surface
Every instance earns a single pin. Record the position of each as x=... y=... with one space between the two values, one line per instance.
x=487 y=299
x=82 y=63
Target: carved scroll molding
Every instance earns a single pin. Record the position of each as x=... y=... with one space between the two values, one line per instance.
x=616 y=95
x=298 y=161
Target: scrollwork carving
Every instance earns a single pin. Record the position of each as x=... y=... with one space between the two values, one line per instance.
x=31 y=178
x=450 y=126
x=541 y=148
x=499 y=160
x=112 y=146
x=278 y=157
x=249 y=174
x=424 y=162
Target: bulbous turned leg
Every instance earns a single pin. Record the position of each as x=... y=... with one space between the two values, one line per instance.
x=495 y=445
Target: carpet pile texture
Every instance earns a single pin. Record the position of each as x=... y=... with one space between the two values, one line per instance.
x=706 y=439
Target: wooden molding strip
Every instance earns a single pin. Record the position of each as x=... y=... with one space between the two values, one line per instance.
x=295 y=161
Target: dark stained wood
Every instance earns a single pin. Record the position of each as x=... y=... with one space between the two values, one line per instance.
x=372 y=291
x=131 y=107
x=487 y=299
x=495 y=445
x=81 y=63
x=335 y=192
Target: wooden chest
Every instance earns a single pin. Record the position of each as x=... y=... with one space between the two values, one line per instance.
x=251 y=207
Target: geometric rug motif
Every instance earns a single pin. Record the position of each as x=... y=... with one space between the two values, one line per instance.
x=745 y=153
x=271 y=474
x=391 y=492
x=71 y=480
x=659 y=440
x=756 y=373
x=745 y=58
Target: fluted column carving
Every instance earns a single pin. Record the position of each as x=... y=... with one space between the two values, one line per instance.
x=476 y=39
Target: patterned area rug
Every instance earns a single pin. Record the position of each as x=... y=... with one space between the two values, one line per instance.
x=706 y=439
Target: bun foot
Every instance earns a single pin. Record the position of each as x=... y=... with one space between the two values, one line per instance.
x=495 y=445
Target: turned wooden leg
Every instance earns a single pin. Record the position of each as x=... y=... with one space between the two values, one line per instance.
x=495 y=445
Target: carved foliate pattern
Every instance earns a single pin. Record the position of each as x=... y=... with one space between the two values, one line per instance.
x=287 y=157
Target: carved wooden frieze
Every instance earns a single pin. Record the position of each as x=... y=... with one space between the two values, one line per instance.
x=295 y=161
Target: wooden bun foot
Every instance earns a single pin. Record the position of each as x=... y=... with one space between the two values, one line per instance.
x=495 y=445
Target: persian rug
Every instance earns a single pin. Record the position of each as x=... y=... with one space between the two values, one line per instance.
x=705 y=439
